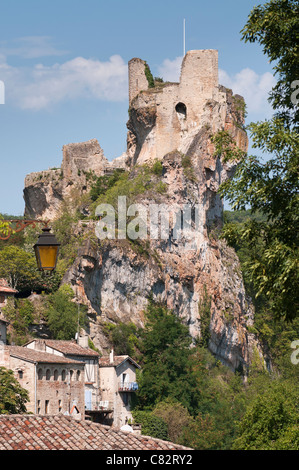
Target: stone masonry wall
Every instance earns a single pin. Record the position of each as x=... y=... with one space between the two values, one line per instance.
x=137 y=77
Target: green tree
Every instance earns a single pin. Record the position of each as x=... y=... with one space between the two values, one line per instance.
x=271 y=420
x=19 y=268
x=124 y=338
x=13 y=397
x=270 y=187
x=20 y=314
x=202 y=434
x=166 y=368
x=175 y=415
x=151 y=425
x=63 y=315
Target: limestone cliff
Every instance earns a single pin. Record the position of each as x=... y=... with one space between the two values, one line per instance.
x=173 y=123
x=45 y=190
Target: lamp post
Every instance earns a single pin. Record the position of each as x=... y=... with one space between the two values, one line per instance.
x=46 y=248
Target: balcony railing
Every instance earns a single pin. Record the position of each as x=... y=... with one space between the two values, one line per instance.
x=100 y=406
x=128 y=387
x=105 y=405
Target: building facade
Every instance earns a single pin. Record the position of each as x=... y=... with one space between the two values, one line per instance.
x=55 y=383
x=6 y=292
x=78 y=352
x=118 y=384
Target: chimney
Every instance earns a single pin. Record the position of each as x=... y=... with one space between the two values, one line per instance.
x=40 y=345
x=83 y=341
x=111 y=356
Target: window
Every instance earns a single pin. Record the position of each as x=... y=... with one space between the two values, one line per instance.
x=90 y=371
x=59 y=406
x=38 y=407
x=48 y=374
x=181 y=110
x=47 y=407
x=40 y=374
x=55 y=374
x=125 y=398
x=20 y=374
x=63 y=375
x=78 y=375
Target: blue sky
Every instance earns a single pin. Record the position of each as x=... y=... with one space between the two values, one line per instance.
x=64 y=67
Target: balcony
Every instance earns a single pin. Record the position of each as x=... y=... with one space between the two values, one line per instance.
x=127 y=386
x=105 y=406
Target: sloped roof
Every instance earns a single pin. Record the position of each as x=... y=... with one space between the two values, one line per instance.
x=36 y=432
x=7 y=290
x=69 y=347
x=33 y=355
x=104 y=361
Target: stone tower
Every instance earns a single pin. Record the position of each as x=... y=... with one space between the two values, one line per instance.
x=137 y=77
x=167 y=117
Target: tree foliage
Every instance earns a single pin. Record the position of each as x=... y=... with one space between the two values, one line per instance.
x=64 y=317
x=274 y=26
x=151 y=425
x=19 y=268
x=13 y=397
x=271 y=421
x=124 y=338
x=166 y=368
x=270 y=186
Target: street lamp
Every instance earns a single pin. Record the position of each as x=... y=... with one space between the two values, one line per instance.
x=46 y=248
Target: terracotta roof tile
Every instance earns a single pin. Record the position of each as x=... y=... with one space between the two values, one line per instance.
x=64 y=433
x=104 y=361
x=70 y=347
x=39 y=356
x=8 y=290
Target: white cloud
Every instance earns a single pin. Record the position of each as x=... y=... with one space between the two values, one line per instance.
x=30 y=47
x=44 y=86
x=170 y=70
x=253 y=87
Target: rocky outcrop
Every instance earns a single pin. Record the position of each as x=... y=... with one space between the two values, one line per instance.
x=116 y=277
x=81 y=163
x=191 y=271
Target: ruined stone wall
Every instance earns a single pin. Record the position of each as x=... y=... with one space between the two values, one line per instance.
x=82 y=156
x=180 y=109
x=137 y=78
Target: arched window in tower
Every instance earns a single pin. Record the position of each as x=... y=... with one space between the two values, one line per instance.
x=181 y=110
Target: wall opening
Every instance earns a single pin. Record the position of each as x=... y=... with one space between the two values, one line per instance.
x=181 y=110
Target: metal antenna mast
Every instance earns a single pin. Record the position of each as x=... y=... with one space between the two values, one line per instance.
x=184 y=36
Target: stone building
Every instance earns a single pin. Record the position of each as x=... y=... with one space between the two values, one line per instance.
x=118 y=384
x=63 y=377
x=54 y=382
x=167 y=117
x=88 y=358
x=5 y=293
x=3 y=329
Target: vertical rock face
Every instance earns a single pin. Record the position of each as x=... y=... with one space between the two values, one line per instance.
x=45 y=190
x=193 y=273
